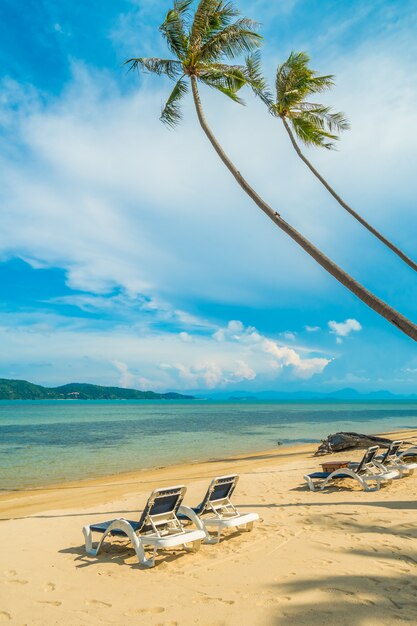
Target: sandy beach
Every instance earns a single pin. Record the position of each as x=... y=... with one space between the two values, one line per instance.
x=337 y=557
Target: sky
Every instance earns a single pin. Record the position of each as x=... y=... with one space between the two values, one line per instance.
x=128 y=254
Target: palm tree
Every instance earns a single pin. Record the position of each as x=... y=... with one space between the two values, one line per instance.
x=313 y=124
x=201 y=44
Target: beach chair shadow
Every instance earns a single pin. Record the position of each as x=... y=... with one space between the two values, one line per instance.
x=120 y=553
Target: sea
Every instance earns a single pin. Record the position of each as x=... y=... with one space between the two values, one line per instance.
x=48 y=442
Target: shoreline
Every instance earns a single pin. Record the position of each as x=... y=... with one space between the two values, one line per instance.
x=34 y=500
x=56 y=494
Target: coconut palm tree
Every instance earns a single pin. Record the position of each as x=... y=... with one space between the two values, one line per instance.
x=313 y=124
x=201 y=44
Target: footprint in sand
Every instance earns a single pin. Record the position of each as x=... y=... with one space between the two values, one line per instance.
x=10 y=572
x=98 y=603
x=281 y=599
x=49 y=587
x=50 y=602
x=209 y=600
x=5 y=617
x=344 y=591
x=153 y=610
x=16 y=582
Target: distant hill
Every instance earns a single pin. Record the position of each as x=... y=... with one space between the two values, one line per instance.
x=23 y=390
x=341 y=395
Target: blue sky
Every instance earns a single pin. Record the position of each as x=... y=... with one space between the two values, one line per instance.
x=129 y=256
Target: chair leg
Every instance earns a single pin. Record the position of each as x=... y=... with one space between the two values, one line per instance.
x=185 y=510
x=119 y=524
x=88 y=538
x=310 y=483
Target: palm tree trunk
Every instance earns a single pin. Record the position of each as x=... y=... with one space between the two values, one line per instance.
x=383 y=309
x=343 y=204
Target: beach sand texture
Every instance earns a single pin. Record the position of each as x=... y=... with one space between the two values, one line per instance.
x=340 y=557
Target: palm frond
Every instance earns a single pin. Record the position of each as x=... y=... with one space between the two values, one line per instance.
x=237 y=38
x=229 y=76
x=311 y=134
x=317 y=84
x=221 y=85
x=256 y=79
x=204 y=13
x=169 y=67
x=171 y=113
x=173 y=28
x=322 y=115
x=223 y=16
x=295 y=81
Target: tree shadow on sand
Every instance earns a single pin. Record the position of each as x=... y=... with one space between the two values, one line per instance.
x=357 y=599
x=348 y=600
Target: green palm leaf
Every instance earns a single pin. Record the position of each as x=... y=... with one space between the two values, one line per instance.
x=221 y=85
x=171 y=113
x=230 y=76
x=314 y=124
x=311 y=134
x=174 y=26
x=231 y=41
x=324 y=117
x=256 y=80
x=201 y=23
x=169 y=67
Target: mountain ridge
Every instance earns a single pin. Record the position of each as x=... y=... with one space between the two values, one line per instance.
x=11 y=389
x=341 y=394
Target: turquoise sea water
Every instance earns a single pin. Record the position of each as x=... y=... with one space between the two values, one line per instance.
x=48 y=442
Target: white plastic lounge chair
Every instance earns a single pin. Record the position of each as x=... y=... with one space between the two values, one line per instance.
x=391 y=460
x=410 y=452
x=158 y=527
x=216 y=510
x=364 y=472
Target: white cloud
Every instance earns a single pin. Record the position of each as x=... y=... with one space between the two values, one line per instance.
x=312 y=329
x=285 y=356
x=101 y=196
x=127 y=379
x=185 y=337
x=145 y=358
x=343 y=329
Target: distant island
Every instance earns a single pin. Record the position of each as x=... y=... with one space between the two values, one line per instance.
x=23 y=390
x=347 y=394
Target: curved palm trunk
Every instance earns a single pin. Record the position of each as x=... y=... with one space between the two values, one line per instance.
x=383 y=309
x=343 y=204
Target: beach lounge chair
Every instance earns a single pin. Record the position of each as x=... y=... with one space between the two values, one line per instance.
x=363 y=472
x=216 y=511
x=410 y=452
x=391 y=460
x=157 y=528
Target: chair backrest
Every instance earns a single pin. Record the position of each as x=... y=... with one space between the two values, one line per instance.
x=218 y=493
x=161 y=509
x=367 y=459
x=391 y=451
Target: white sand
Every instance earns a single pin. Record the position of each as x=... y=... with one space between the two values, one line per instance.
x=340 y=557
